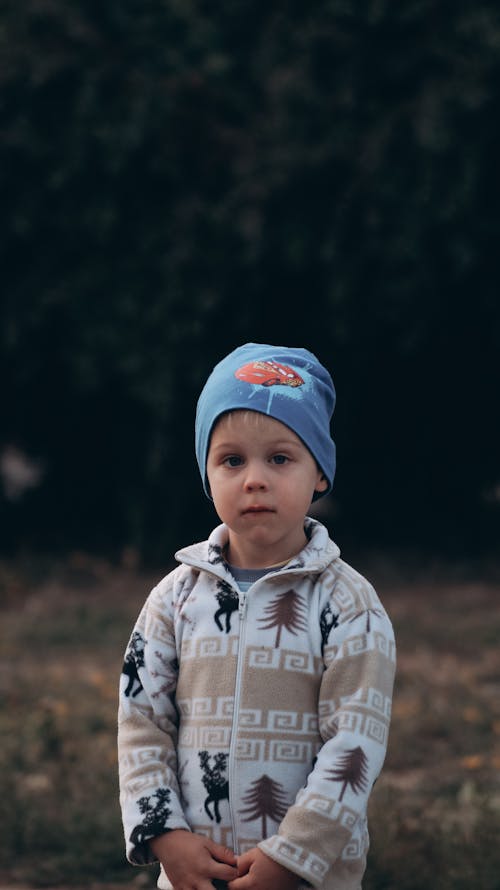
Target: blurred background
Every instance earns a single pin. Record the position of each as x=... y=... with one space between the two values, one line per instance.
x=178 y=178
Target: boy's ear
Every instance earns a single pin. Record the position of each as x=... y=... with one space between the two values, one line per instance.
x=322 y=484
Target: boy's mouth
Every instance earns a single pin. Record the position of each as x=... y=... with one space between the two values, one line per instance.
x=257 y=508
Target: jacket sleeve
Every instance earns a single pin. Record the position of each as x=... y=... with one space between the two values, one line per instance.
x=147 y=730
x=328 y=817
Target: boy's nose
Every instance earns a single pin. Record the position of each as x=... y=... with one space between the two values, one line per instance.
x=255 y=479
x=252 y=485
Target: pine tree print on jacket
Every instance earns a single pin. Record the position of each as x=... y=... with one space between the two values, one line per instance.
x=352 y=771
x=287 y=612
x=264 y=800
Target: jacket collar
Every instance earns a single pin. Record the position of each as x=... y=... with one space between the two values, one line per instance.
x=315 y=557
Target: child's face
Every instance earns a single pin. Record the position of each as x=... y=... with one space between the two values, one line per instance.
x=262 y=480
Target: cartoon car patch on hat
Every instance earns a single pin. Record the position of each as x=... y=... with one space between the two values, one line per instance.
x=268 y=373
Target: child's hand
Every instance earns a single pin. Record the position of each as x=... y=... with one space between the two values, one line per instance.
x=256 y=871
x=191 y=861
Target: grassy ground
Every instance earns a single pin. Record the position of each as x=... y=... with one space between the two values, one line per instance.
x=435 y=811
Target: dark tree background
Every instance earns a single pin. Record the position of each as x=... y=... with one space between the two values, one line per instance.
x=178 y=178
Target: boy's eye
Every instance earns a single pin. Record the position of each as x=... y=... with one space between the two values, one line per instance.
x=233 y=460
x=280 y=458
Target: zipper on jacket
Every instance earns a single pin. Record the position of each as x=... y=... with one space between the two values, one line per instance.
x=242 y=606
x=242 y=610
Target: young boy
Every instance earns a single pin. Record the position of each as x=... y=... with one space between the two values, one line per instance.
x=256 y=694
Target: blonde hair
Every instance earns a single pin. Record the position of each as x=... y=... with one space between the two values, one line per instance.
x=250 y=418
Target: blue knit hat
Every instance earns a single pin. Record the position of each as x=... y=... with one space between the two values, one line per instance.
x=286 y=383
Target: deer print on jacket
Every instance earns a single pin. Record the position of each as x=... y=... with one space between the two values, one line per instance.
x=155 y=814
x=216 y=554
x=327 y=621
x=214 y=781
x=134 y=659
x=228 y=603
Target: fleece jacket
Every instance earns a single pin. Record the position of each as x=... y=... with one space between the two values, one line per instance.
x=258 y=718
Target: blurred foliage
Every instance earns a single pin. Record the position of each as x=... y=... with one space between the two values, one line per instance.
x=176 y=179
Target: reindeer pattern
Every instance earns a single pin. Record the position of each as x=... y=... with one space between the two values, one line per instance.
x=327 y=621
x=134 y=659
x=228 y=601
x=214 y=782
x=216 y=554
x=156 y=815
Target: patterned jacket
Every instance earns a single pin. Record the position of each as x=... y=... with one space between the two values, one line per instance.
x=258 y=718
